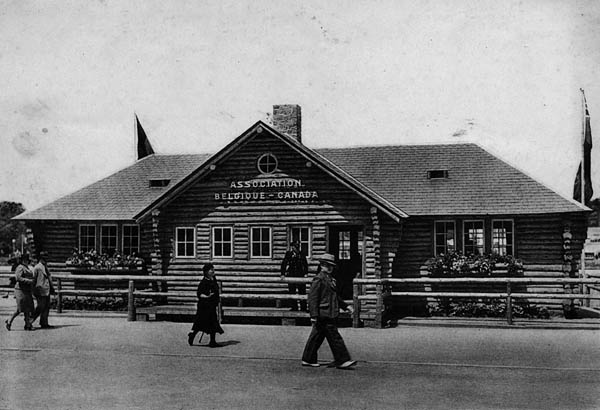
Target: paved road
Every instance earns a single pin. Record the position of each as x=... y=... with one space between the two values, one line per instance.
x=91 y=363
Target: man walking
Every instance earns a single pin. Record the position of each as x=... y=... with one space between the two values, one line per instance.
x=324 y=305
x=42 y=290
x=294 y=265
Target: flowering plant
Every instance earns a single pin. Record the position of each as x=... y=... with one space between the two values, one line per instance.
x=457 y=264
x=93 y=260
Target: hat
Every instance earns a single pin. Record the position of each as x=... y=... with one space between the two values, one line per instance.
x=43 y=254
x=327 y=258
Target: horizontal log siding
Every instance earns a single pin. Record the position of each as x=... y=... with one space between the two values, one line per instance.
x=58 y=239
x=197 y=207
x=539 y=238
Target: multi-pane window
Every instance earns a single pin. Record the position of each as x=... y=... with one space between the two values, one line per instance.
x=260 y=242
x=184 y=242
x=302 y=235
x=473 y=238
x=222 y=242
x=502 y=237
x=131 y=239
x=87 y=238
x=445 y=237
x=108 y=239
x=344 y=245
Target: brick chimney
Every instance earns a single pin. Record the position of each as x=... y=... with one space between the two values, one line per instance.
x=288 y=120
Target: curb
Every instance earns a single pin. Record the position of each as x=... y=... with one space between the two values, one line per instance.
x=574 y=324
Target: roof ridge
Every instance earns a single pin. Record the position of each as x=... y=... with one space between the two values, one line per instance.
x=399 y=145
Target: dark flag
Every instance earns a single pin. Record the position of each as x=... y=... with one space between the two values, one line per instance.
x=143 y=143
x=587 y=156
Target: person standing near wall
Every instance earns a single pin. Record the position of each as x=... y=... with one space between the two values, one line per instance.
x=324 y=304
x=42 y=290
x=294 y=265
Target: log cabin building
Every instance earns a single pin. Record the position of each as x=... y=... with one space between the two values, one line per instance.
x=381 y=210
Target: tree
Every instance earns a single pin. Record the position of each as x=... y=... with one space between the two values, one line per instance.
x=10 y=229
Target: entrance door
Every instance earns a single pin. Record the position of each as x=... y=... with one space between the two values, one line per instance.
x=346 y=243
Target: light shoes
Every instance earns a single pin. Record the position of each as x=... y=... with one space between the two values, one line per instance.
x=347 y=364
x=310 y=364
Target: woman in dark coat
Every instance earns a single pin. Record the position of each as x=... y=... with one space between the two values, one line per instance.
x=208 y=301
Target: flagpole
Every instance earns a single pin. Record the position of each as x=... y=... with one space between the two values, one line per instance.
x=582 y=273
x=582 y=181
x=135 y=136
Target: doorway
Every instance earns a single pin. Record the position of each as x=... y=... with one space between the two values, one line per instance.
x=346 y=243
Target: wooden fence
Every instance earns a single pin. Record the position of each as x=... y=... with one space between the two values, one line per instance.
x=382 y=292
x=364 y=290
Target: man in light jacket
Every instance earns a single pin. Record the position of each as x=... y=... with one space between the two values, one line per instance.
x=324 y=305
x=42 y=290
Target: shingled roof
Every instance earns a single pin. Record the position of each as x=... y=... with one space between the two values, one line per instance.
x=477 y=183
x=123 y=194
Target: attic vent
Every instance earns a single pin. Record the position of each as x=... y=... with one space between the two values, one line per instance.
x=157 y=183
x=437 y=174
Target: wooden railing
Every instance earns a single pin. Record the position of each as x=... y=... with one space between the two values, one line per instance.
x=131 y=292
x=382 y=291
x=376 y=290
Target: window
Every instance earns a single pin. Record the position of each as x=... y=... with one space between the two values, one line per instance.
x=184 y=242
x=437 y=174
x=222 y=242
x=87 y=237
x=108 y=239
x=502 y=237
x=302 y=235
x=260 y=242
x=267 y=163
x=473 y=237
x=344 y=245
x=158 y=183
x=131 y=239
x=445 y=237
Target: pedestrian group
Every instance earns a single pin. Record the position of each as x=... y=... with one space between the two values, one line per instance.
x=32 y=281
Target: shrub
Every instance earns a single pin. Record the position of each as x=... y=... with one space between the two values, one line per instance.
x=456 y=264
x=486 y=308
x=114 y=304
x=94 y=260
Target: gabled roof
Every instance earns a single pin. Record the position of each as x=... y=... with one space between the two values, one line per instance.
x=260 y=127
x=477 y=183
x=394 y=178
x=121 y=195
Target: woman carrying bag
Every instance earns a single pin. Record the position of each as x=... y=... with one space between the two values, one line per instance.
x=206 y=319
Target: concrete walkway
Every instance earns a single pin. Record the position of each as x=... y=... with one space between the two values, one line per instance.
x=109 y=363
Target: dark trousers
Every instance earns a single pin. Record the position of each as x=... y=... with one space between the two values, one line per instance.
x=325 y=328
x=301 y=288
x=42 y=310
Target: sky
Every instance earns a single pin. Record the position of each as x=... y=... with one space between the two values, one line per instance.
x=505 y=75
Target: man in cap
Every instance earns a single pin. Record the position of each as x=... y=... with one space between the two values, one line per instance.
x=324 y=305
x=42 y=290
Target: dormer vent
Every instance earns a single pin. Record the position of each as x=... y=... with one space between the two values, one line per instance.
x=159 y=183
x=437 y=174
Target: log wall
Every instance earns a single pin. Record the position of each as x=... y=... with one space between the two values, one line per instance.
x=197 y=207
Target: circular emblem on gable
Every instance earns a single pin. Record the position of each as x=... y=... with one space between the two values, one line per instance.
x=267 y=163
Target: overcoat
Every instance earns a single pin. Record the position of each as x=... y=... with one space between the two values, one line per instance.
x=323 y=297
x=206 y=319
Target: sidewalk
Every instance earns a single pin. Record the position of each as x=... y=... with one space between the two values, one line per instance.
x=87 y=362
